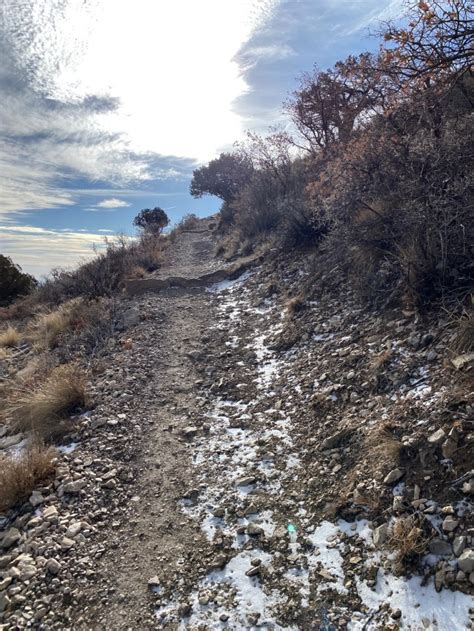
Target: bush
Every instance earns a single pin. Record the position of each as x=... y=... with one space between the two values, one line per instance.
x=9 y=338
x=13 y=282
x=44 y=408
x=152 y=220
x=19 y=476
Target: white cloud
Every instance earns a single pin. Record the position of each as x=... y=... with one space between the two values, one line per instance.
x=38 y=250
x=113 y=203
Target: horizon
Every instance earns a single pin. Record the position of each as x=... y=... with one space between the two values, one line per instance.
x=104 y=115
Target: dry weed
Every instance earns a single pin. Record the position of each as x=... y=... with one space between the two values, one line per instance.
x=43 y=409
x=408 y=540
x=47 y=328
x=380 y=361
x=464 y=337
x=20 y=475
x=295 y=305
x=9 y=338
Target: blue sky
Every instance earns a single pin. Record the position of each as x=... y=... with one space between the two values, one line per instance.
x=108 y=106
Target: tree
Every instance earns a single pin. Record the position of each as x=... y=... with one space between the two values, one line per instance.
x=436 y=42
x=13 y=282
x=328 y=105
x=152 y=220
x=223 y=177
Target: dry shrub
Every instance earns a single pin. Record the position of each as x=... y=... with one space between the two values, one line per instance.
x=20 y=475
x=137 y=271
x=408 y=540
x=188 y=222
x=464 y=337
x=9 y=338
x=381 y=360
x=295 y=305
x=47 y=328
x=43 y=409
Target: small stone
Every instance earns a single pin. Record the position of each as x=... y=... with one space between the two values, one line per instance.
x=253 y=571
x=74 y=529
x=67 y=543
x=440 y=547
x=437 y=437
x=468 y=487
x=459 y=545
x=190 y=432
x=393 y=476
x=53 y=566
x=450 y=524
x=466 y=561
x=246 y=481
x=36 y=499
x=448 y=448
x=75 y=486
x=154 y=581
x=380 y=535
x=254 y=531
x=396 y=614
x=50 y=513
x=10 y=538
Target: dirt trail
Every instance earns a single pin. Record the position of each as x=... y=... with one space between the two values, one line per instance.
x=236 y=481
x=237 y=470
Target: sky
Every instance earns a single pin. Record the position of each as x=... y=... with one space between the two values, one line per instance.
x=109 y=105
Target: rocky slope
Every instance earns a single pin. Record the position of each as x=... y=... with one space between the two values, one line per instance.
x=256 y=459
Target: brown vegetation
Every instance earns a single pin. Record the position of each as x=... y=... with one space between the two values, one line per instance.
x=20 y=475
x=408 y=540
x=43 y=408
x=9 y=338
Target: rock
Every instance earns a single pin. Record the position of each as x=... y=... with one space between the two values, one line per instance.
x=459 y=545
x=463 y=360
x=5 y=582
x=466 y=561
x=190 y=432
x=75 y=486
x=53 y=566
x=254 y=531
x=50 y=513
x=253 y=571
x=74 y=529
x=154 y=581
x=10 y=538
x=9 y=441
x=393 y=476
x=4 y=602
x=36 y=499
x=439 y=580
x=246 y=481
x=66 y=543
x=440 y=547
x=468 y=487
x=380 y=534
x=437 y=437
x=450 y=524
x=27 y=572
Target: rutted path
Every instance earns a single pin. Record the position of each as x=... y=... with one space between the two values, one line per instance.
x=225 y=527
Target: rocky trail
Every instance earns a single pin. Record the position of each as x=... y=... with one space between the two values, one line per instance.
x=243 y=466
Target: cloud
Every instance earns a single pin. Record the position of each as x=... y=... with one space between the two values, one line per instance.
x=39 y=250
x=113 y=203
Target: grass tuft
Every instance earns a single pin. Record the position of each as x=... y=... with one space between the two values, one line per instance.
x=44 y=408
x=19 y=476
x=9 y=338
x=408 y=540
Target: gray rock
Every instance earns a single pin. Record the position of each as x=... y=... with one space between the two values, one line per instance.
x=380 y=535
x=459 y=545
x=50 y=513
x=450 y=524
x=10 y=538
x=393 y=476
x=440 y=547
x=466 y=561
x=437 y=437
x=75 y=486
x=9 y=441
x=245 y=481
x=36 y=499
x=53 y=566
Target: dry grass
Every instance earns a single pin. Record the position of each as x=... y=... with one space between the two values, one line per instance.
x=21 y=475
x=381 y=360
x=295 y=305
x=137 y=271
x=9 y=338
x=464 y=337
x=43 y=409
x=46 y=329
x=408 y=540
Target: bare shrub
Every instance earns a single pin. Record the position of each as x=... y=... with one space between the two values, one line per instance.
x=43 y=408
x=9 y=338
x=20 y=475
x=408 y=540
x=464 y=336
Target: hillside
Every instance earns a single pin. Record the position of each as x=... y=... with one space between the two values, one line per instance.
x=251 y=456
